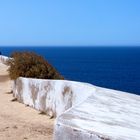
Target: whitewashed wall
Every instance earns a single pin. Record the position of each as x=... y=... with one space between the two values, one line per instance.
x=3 y=59
x=51 y=96
x=105 y=115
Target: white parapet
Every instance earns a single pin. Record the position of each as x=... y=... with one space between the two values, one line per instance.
x=105 y=115
x=51 y=96
x=3 y=59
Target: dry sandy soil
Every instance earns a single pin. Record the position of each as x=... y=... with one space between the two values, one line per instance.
x=17 y=121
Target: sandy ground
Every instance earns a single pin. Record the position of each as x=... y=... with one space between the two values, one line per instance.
x=17 y=121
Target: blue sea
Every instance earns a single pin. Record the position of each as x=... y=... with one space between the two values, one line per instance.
x=111 y=67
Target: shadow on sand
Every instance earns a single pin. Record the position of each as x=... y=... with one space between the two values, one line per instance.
x=4 y=78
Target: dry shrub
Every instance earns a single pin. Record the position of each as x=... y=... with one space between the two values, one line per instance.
x=29 y=64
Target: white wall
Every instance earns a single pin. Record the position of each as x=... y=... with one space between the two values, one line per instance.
x=51 y=96
x=3 y=59
x=105 y=115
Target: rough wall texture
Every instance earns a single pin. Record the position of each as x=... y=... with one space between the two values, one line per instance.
x=51 y=96
x=66 y=132
x=105 y=115
x=3 y=59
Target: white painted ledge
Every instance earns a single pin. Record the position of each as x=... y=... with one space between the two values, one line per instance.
x=105 y=115
x=51 y=96
x=3 y=59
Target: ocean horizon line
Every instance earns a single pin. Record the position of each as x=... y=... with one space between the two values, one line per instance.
x=76 y=46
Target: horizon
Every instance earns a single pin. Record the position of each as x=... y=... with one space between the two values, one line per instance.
x=67 y=46
x=71 y=23
x=26 y=47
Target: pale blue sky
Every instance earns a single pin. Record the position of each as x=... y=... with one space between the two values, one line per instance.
x=69 y=22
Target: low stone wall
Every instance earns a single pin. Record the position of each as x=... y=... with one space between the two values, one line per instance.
x=105 y=115
x=51 y=96
x=3 y=59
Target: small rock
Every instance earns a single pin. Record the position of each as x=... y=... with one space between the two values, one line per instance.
x=13 y=100
x=15 y=127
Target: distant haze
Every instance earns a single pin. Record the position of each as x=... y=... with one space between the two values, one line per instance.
x=70 y=23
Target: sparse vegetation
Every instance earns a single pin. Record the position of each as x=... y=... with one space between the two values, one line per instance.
x=29 y=64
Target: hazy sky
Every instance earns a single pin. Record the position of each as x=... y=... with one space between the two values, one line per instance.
x=69 y=22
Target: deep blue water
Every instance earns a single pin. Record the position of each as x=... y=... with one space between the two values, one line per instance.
x=110 y=67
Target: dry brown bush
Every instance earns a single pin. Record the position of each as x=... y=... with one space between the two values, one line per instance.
x=29 y=64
